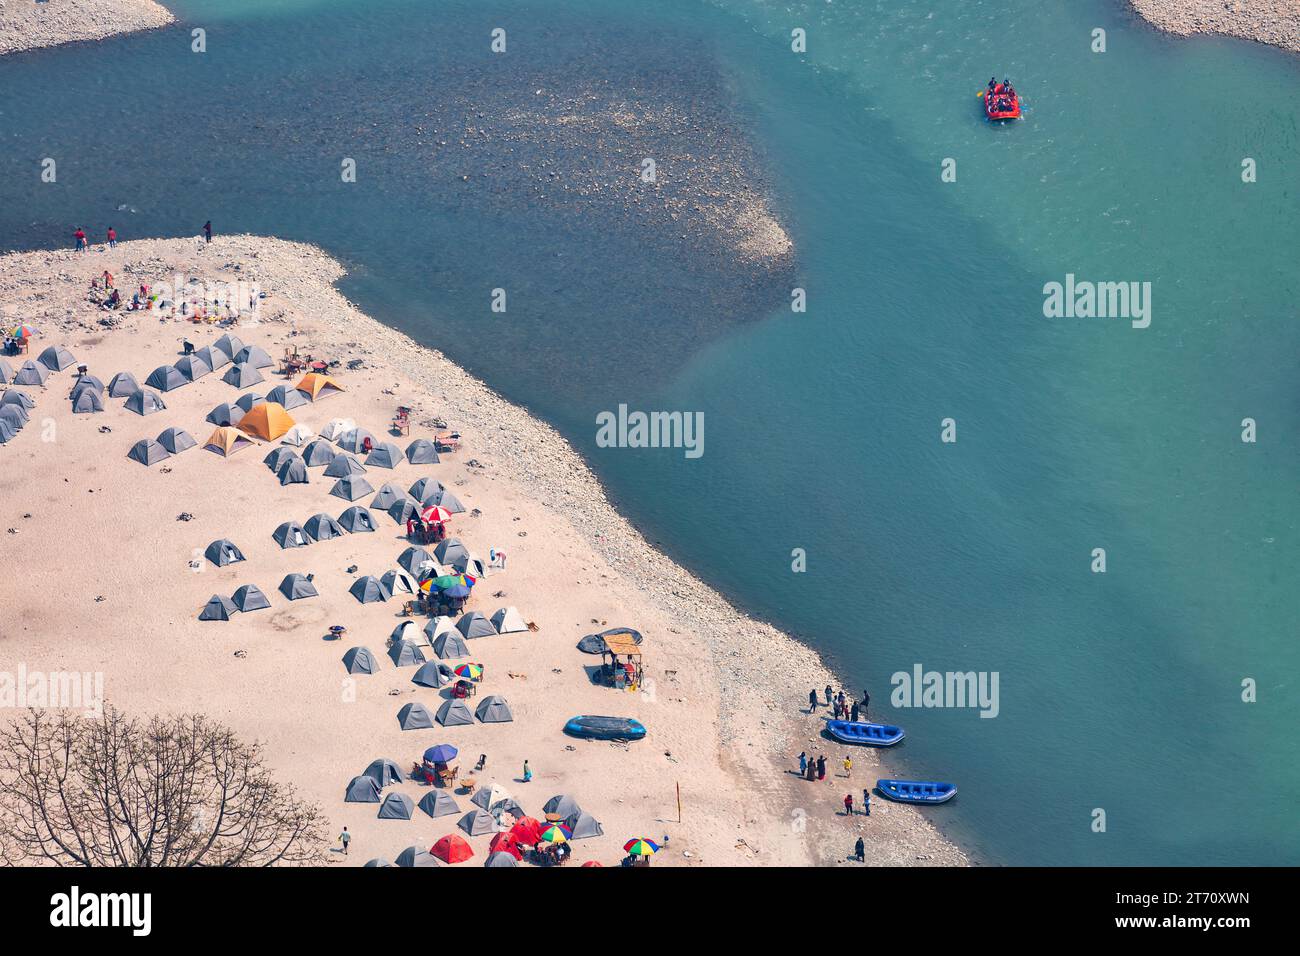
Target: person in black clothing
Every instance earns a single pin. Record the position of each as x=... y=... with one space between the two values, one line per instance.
x=812 y=700
x=860 y=850
x=207 y=231
x=993 y=83
x=853 y=712
x=866 y=702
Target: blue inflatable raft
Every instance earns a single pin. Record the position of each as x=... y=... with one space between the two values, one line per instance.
x=916 y=791
x=605 y=728
x=859 y=732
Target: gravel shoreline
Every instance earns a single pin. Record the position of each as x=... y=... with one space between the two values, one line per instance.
x=1275 y=22
x=27 y=25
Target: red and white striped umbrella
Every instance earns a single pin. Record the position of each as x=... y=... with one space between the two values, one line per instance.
x=435 y=513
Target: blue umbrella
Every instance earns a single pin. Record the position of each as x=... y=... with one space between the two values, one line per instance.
x=443 y=753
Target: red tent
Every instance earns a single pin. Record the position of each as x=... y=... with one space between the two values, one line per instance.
x=452 y=849
x=593 y=863
x=526 y=831
x=505 y=843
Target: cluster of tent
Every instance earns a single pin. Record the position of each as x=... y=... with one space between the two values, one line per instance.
x=14 y=407
x=454 y=712
x=294 y=587
x=321 y=527
x=16 y=404
x=170 y=441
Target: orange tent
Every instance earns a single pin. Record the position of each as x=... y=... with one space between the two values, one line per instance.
x=225 y=441
x=317 y=385
x=267 y=421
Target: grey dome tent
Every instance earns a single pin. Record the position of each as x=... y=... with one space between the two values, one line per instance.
x=250 y=598
x=291 y=535
x=354 y=440
x=414 y=717
x=86 y=401
x=343 y=464
x=388 y=496
x=212 y=358
x=438 y=803
x=369 y=589
x=477 y=822
x=423 y=487
x=500 y=859
x=122 y=385
x=318 y=452
x=384 y=455
x=396 y=806
x=218 y=608
x=147 y=451
x=400 y=633
x=351 y=488
x=494 y=710
x=405 y=654
x=508 y=620
x=412 y=558
x=225 y=414
x=165 y=378
x=7 y=431
x=13 y=396
x=446 y=499
x=229 y=344
x=384 y=772
x=278 y=456
x=359 y=660
x=15 y=415
x=422 y=452
x=293 y=472
x=242 y=375
x=595 y=643
x=433 y=674
x=288 y=396
x=399 y=582
x=6 y=372
x=222 y=552
x=401 y=510
x=583 y=825
x=356 y=520
x=176 y=440
x=297 y=586
x=474 y=624
x=454 y=713
x=450 y=646
x=56 y=358
x=253 y=355
x=559 y=807
x=376 y=863
x=438 y=625
x=449 y=549
x=145 y=402
x=361 y=790
x=86 y=381
x=193 y=368
x=322 y=527
x=31 y=373
x=248 y=401
x=415 y=856
x=490 y=796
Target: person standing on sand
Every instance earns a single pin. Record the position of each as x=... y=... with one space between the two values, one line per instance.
x=821 y=766
x=207 y=231
x=803 y=763
x=346 y=837
x=848 y=766
x=112 y=238
x=812 y=770
x=80 y=236
x=860 y=851
x=812 y=701
x=829 y=693
x=866 y=801
x=854 y=712
x=848 y=804
x=528 y=774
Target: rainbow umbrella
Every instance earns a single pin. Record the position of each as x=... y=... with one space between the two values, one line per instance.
x=641 y=847
x=450 y=581
x=22 y=331
x=557 y=833
x=471 y=671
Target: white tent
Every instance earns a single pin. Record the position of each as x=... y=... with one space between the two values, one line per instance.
x=508 y=620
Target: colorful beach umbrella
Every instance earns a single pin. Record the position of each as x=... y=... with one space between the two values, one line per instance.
x=452 y=849
x=471 y=671
x=22 y=331
x=641 y=847
x=556 y=833
x=435 y=513
x=442 y=753
x=457 y=591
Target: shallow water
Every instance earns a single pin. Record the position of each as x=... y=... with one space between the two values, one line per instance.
x=1118 y=691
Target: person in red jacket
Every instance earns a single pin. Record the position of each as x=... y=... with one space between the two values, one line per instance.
x=112 y=237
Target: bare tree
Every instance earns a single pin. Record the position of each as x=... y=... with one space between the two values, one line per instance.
x=118 y=791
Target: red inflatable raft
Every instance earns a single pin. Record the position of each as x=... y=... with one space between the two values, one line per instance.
x=999 y=105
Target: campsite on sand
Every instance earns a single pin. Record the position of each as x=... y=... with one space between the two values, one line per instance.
x=278 y=513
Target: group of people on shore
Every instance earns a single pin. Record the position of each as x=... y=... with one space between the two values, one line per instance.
x=840 y=705
x=83 y=241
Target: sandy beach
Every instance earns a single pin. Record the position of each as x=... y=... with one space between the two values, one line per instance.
x=27 y=25
x=1276 y=22
x=113 y=579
